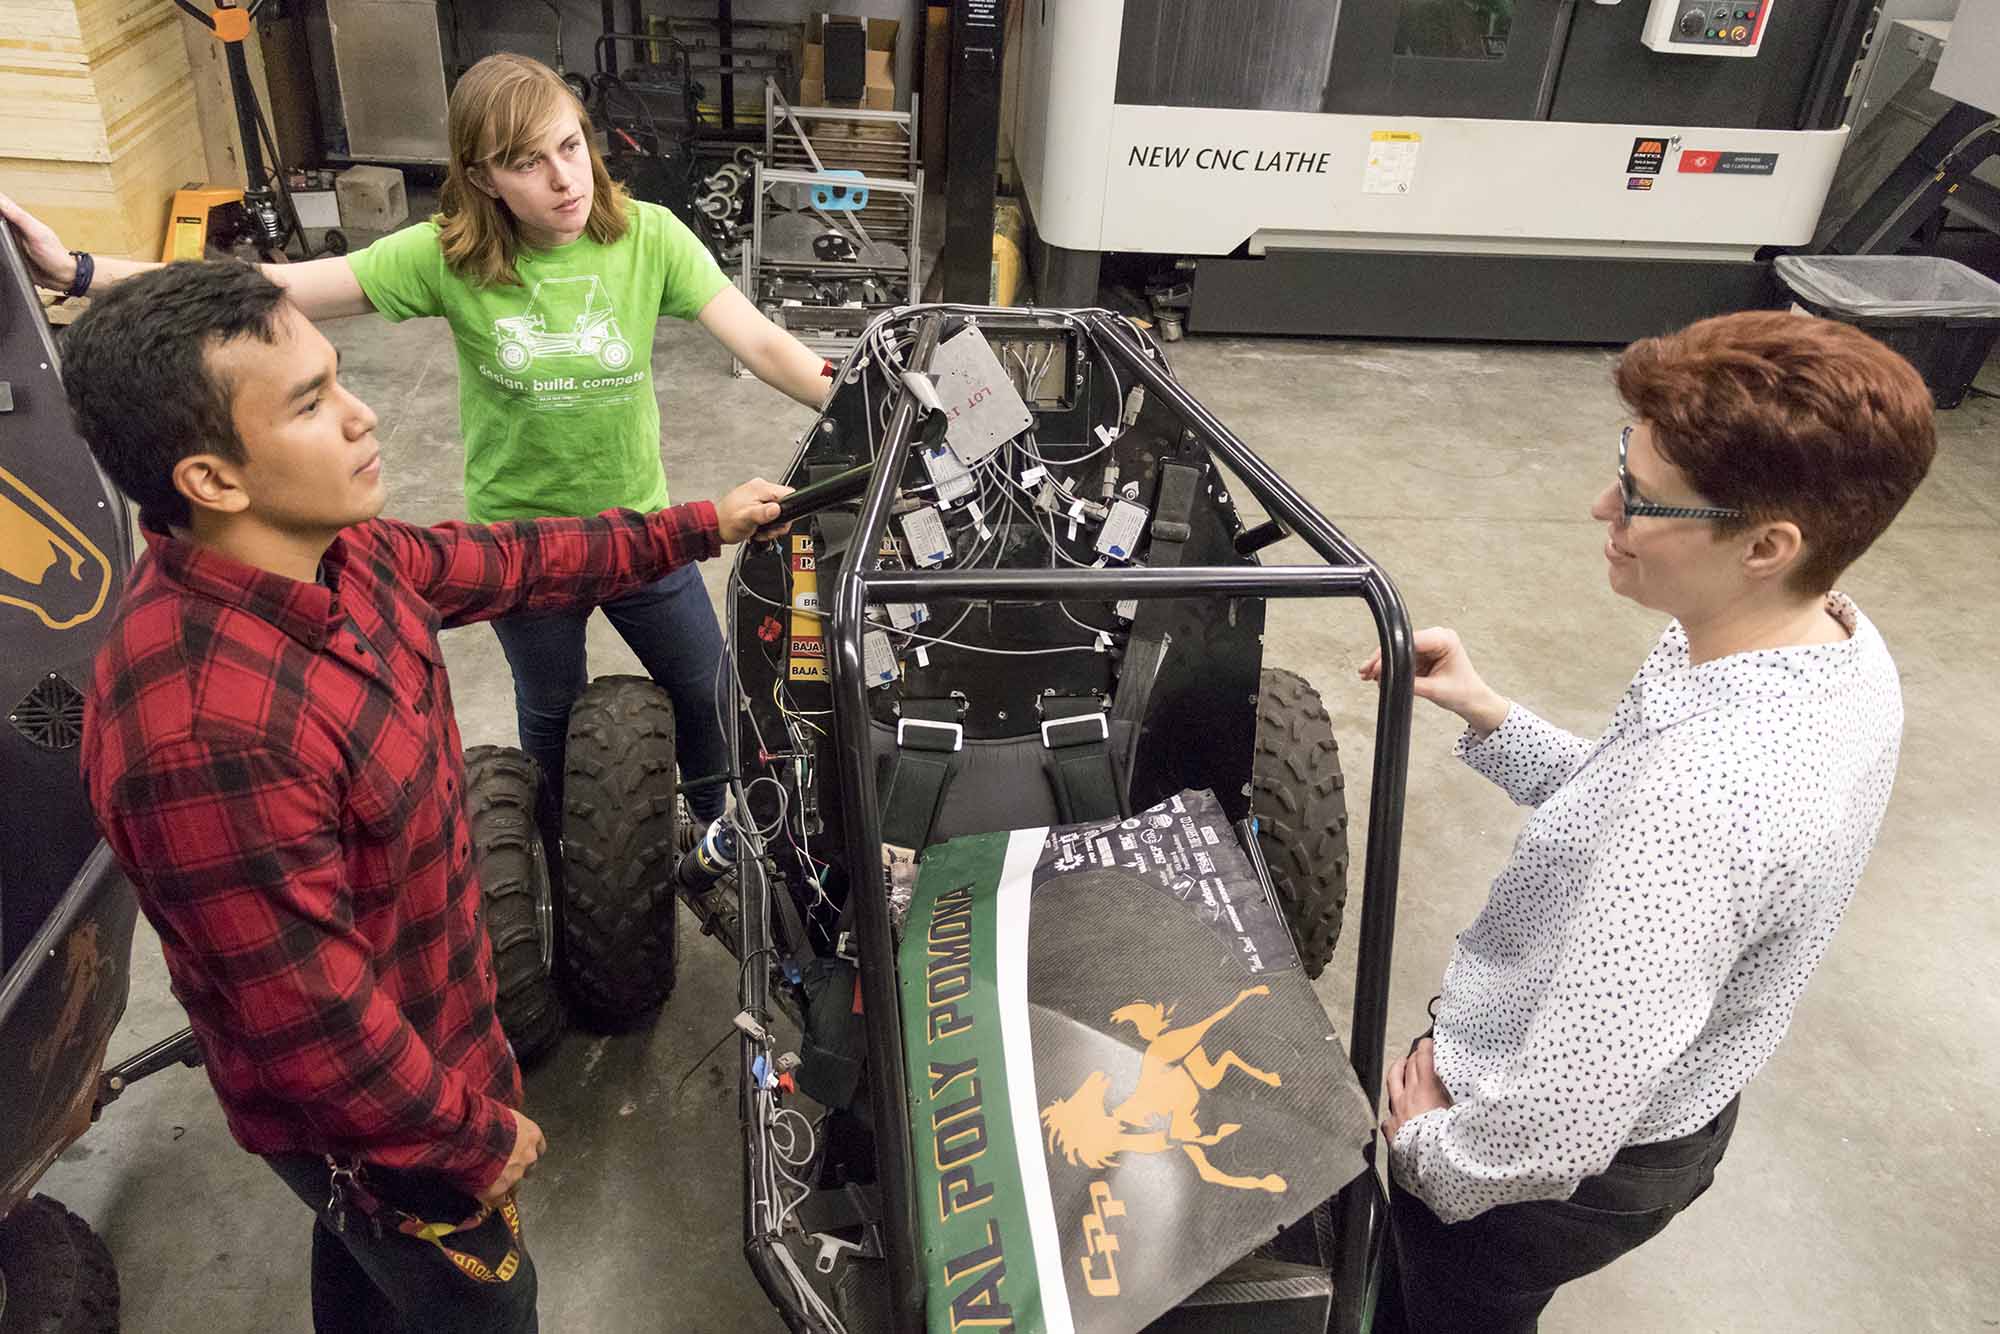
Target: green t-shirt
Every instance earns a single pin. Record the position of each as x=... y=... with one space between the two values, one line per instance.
x=555 y=376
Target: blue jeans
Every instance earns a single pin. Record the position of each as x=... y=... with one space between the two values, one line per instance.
x=671 y=627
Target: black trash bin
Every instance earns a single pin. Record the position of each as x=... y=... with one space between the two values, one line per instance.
x=1938 y=313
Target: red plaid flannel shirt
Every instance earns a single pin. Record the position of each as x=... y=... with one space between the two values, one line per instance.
x=276 y=766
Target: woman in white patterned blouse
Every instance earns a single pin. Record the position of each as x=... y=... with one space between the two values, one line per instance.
x=1639 y=956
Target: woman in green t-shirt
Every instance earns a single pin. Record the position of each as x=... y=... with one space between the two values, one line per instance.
x=552 y=280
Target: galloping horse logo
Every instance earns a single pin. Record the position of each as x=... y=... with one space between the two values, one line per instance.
x=1173 y=1074
x=48 y=568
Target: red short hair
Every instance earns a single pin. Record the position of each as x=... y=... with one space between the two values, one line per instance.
x=1788 y=417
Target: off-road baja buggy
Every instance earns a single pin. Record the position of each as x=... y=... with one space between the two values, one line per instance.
x=1043 y=856
x=66 y=914
x=1035 y=851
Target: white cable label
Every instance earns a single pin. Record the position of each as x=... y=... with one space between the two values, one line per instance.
x=924 y=530
x=1122 y=529
x=878 y=658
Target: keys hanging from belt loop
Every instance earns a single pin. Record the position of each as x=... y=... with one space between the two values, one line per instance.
x=348 y=1194
x=339 y=1179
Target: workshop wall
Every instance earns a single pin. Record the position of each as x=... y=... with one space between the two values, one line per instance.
x=909 y=35
x=1886 y=14
x=528 y=26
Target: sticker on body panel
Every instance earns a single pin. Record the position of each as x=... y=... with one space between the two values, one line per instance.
x=806 y=660
x=1107 y=1098
x=49 y=567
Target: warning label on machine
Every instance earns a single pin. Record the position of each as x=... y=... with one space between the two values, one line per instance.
x=1392 y=162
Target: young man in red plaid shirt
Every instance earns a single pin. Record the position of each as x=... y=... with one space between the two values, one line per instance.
x=271 y=753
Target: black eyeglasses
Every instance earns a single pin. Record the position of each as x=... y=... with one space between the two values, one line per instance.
x=1636 y=508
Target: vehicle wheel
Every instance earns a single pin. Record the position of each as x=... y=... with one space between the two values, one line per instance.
x=1300 y=801
x=615 y=355
x=690 y=831
x=514 y=354
x=620 y=821
x=333 y=242
x=56 y=1277
x=502 y=791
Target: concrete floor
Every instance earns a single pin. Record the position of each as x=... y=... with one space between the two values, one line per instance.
x=1859 y=1193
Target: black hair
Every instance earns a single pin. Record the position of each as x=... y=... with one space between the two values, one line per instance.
x=137 y=369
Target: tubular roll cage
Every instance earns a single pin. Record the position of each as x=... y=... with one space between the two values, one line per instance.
x=1348 y=573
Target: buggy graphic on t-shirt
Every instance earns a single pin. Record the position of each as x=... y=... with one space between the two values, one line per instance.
x=577 y=305
x=561 y=357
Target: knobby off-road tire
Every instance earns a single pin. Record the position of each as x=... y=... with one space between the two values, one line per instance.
x=56 y=1277
x=1300 y=801
x=502 y=794
x=620 y=821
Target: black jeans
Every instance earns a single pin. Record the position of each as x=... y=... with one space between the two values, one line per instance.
x=397 y=1284
x=1493 y=1274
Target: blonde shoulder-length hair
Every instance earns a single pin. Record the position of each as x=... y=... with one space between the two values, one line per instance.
x=502 y=109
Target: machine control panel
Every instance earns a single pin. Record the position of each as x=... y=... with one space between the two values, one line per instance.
x=1707 y=27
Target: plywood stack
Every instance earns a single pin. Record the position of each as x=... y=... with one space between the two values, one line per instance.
x=215 y=104
x=98 y=121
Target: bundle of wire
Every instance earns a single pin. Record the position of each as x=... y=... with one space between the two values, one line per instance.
x=877 y=364
x=997 y=476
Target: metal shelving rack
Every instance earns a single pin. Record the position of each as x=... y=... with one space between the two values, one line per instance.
x=801 y=146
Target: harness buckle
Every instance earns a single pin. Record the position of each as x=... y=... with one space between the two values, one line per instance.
x=1103 y=729
x=956 y=731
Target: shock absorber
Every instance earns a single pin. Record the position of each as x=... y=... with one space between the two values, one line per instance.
x=702 y=865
